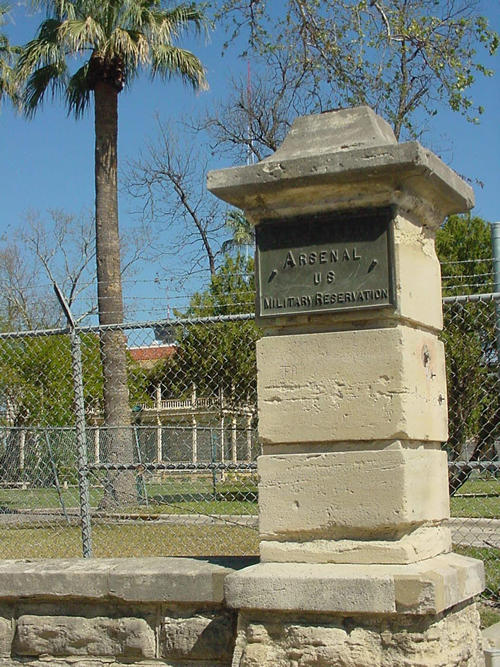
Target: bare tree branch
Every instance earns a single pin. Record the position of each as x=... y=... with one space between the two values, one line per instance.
x=170 y=183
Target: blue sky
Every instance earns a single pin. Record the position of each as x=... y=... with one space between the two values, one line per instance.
x=48 y=161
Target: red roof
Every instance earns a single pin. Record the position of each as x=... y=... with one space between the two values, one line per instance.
x=152 y=352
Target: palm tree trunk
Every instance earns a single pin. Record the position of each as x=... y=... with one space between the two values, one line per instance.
x=118 y=434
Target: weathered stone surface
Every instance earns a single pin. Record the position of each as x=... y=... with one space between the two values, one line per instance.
x=328 y=133
x=127 y=579
x=308 y=587
x=72 y=577
x=43 y=661
x=61 y=662
x=422 y=543
x=491 y=636
x=130 y=638
x=372 y=495
x=417 y=273
x=6 y=635
x=201 y=636
x=428 y=587
x=293 y=181
x=167 y=580
x=281 y=641
x=373 y=384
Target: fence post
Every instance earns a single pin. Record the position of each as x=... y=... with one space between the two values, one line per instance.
x=81 y=436
x=495 y=244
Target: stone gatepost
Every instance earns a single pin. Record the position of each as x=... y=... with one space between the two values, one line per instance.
x=356 y=565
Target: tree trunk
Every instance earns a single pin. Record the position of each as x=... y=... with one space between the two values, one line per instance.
x=117 y=444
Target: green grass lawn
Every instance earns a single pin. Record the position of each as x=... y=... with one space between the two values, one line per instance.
x=479 y=507
x=127 y=540
x=489 y=615
x=177 y=496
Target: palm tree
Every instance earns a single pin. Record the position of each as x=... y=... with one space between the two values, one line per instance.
x=242 y=231
x=111 y=41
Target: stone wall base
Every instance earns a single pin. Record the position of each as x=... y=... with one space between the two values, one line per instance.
x=280 y=639
x=180 y=612
x=110 y=612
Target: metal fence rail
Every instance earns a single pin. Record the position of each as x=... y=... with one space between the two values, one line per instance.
x=178 y=475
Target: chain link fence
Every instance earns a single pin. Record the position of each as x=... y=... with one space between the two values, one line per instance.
x=174 y=473
x=175 y=476
x=472 y=342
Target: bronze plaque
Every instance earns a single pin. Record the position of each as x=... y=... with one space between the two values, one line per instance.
x=325 y=263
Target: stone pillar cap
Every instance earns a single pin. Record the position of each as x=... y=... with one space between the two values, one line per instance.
x=333 y=131
x=343 y=160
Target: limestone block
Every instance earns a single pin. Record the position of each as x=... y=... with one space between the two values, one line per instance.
x=351 y=495
x=6 y=635
x=127 y=579
x=167 y=580
x=438 y=583
x=422 y=543
x=202 y=636
x=491 y=636
x=374 y=384
x=284 y=640
x=418 y=273
x=312 y=587
x=72 y=577
x=44 y=661
x=62 y=662
x=428 y=587
x=355 y=127
x=127 y=638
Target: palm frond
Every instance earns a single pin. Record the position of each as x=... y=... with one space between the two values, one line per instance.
x=61 y=9
x=9 y=85
x=6 y=50
x=48 y=77
x=132 y=13
x=80 y=34
x=43 y=50
x=4 y=10
x=78 y=92
x=8 y=82
x=165 y=26
x=183 y=16
x=169 y=61
x=129 y=45
x=48 y=30
x=5 y=79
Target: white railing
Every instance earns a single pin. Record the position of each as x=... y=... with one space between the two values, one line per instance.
x=176 y=404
